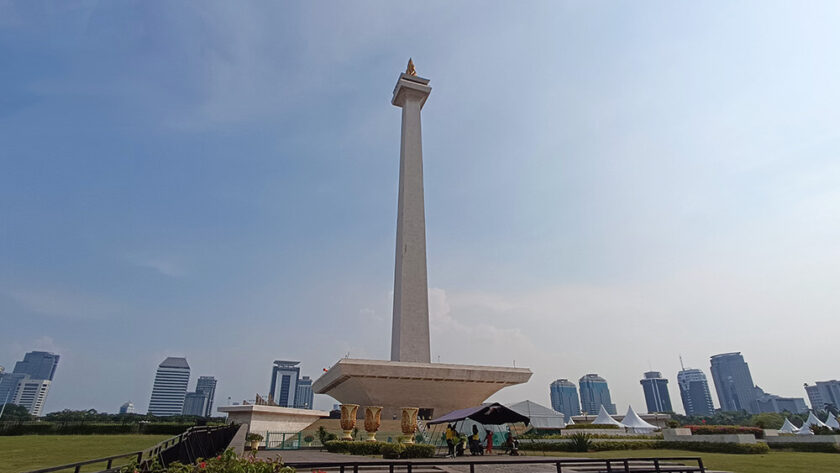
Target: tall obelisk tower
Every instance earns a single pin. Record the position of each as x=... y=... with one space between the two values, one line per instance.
x=410 y=331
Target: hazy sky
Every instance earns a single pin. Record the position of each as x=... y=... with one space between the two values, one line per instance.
x=608 y=185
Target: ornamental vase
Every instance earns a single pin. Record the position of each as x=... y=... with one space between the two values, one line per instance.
x=348 y=420
x=409 y=422
x=373 y=419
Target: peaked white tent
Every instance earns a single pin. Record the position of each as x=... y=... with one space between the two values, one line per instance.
x=806 y=427
x=788 y=427
x=542 y=418
x=570 y=421
x=605 y=419
x=832 y=421
x=635 y=424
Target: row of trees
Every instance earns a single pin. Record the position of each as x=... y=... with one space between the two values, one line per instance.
x=13 y=412
x=766 y=420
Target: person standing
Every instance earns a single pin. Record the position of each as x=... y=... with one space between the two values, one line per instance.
x=451 y=435
x=489 y=437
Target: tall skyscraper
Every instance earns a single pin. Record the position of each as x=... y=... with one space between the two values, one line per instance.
x=170 y=387
x=595 y=393
x=303 y=394
x=564 y=398
x=127 y=408
x=655 y=388
x=733 y=383
x=824 y=394
x=207 y=385
x=195 y=404
x=694 y=391
x=29 y=383
x=31 y=394
x=38 y=365
x=284 y=381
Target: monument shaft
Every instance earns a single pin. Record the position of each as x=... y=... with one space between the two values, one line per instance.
x=410 y=331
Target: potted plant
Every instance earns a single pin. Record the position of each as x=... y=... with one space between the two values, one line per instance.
x=254 y=440
x=309 y=439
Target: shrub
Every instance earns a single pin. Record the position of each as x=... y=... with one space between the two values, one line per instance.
x=417 y=450
x=717 y=447
x=591 y=426
x=325 y=436
x=309 y=439
x=227 y=462
x=725 y=429
x=631 y=445
x=354 y=448
x=392 y=451
x=824 y=430
x=253 y=437
x=580 y=442
x=806 y=447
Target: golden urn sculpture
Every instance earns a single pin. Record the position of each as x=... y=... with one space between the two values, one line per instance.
x=409 y=423
x=348 y=420
x=373 y=419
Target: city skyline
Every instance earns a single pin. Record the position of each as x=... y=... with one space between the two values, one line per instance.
x=645 y=170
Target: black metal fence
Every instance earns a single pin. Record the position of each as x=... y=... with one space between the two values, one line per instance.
x=609 y=465
x=197 y=442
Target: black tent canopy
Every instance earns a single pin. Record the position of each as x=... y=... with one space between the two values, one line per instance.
x=486 y=414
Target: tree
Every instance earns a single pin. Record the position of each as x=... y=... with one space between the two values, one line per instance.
x=768 y=420
x=15 y=412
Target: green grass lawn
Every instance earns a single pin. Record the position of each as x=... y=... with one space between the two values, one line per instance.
x=773 y=462
x=30 y=452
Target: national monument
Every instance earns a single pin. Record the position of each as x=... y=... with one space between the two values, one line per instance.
x=410 y=379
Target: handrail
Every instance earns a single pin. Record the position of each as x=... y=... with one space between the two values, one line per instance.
x=612 y=464
x=151 y=451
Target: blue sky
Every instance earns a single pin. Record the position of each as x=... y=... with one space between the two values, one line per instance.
x=608 y=185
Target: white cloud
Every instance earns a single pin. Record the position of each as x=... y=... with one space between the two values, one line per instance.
x=164 y=266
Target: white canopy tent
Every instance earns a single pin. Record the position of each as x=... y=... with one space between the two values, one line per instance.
x=806 y=427
x=788 y=427
x=605 y=419
x=832 y=421
x=542 y=418
x=635 y=424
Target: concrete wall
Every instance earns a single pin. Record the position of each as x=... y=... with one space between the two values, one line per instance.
x=671 y=435
x=803 y=439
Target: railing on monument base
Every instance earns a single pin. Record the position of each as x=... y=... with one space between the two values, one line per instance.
x=283 y=440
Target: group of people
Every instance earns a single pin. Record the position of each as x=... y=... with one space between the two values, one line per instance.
x=457 y=448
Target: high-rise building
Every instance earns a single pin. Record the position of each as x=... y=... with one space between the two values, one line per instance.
x=195 y=404
x=733 y=383
x=284 y=381
x=38 y=365
x=564 y=398
x=303 y=394
x=31 y=394
x=170 y=387
x=824 y=394
x=595 y=393
x=655 y=388
x=766 y=402
x=694 y=391
x=207 y=385
x=127 y=408
x=29 y=383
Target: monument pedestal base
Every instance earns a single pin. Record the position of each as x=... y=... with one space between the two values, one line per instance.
x=435 y=388
x=264 y=419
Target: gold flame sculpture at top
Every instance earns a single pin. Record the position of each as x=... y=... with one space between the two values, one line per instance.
x=410 y=69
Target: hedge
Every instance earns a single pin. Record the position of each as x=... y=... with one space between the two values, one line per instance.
x=387 y=450
x=714 y=447
x=354 y=448
x=595 y=447
x=806 y=447
x=725 y=429
x=717 y=447
x=591 y=426
x=53 y=428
